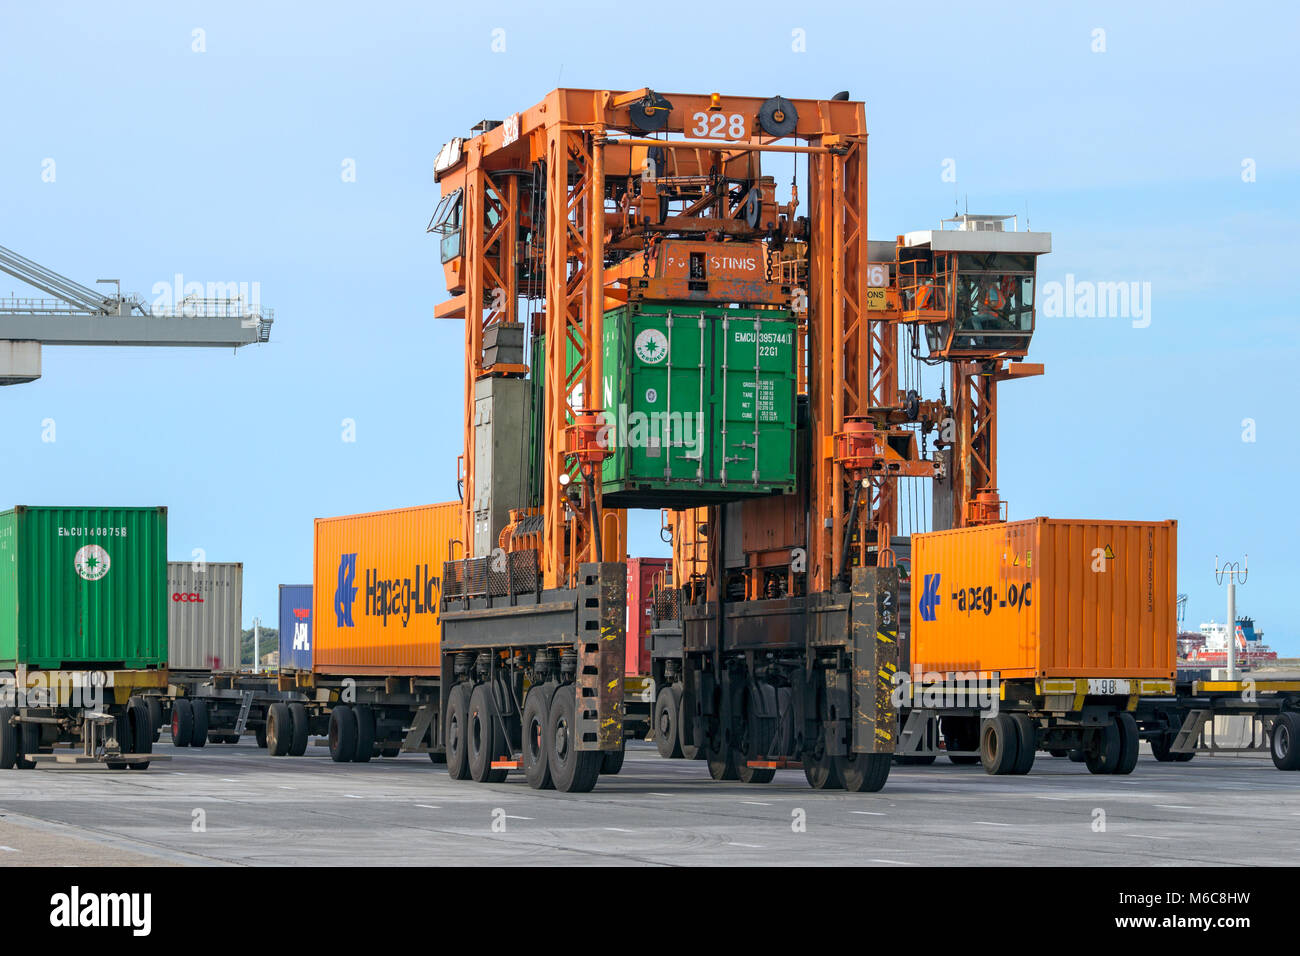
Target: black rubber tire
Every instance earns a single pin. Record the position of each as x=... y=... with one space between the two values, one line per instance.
x=232 y=739
x=820 y=772
x=389 y=751
x=299 y=729
x=455 y=734
x=1130 y=741
x=691 y=750
x=9 y=741
x=864 y=773
x=29 y=742
x=155 y=716
x=1184 y=757
x=721 y=758
x=485 y=738
x=1026 y=744
x=1058 y=753
x=259 y=733
x=279 y=729
x=182 y=722
x=665 y=724
x=343 y=734
x=612 y=761
x=137 y=710
x=1077 y=756
x=439 y=757
x=572 y=770
x=365 y=718
x=747 y=774
x=1160 y=748
x=999 y=745
x=1284 y=742
x=961 y=733
x=1103 y=754
x=200 y=735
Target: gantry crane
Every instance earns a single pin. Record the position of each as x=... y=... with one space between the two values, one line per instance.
x=589 y=208
x=79 y=315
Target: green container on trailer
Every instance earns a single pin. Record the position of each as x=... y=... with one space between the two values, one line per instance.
x=83 y=587
x=699 y=403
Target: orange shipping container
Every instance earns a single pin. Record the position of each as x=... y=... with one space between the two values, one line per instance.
x=1047 y=598
x=378 y=580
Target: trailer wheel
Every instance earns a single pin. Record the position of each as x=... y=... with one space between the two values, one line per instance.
x=457 y=717
x=343 y=734
x=819 y=770
x=999 y=745
x=484 y=736
x=199 y=736
x=863 y=773
x=1161 y=746
x=536 y=769
x=155 y=716
x=1026 y=743
x=29 y=742
x=762 y=734
x=231 y=739
x=259 y=732
x=8 y=738
x=1078 y=756
x=721 y=758
x=686 y=730
x=299 y=727
x=365 y=733
x=137 y=713
x=1130 y=740
x=439 y=757
x=279 y=729
x=1103 y=753
x=389 y=751
x=1285 y=744
x=142 y=730
x=665 y=724
x=572 y=770
x=611 y=761
x=1058 y=753
x=182 y=722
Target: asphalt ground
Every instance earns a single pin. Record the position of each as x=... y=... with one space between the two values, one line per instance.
x=235 y=805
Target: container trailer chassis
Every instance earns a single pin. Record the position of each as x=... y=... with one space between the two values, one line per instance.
x=800 y=682
x=102 y=714
x=203 y=707
x=1004 y=723
x=533 y=677
x=359 y=716
x=1180 y=728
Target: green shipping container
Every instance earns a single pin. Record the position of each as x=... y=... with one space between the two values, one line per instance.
x=83 y=587
x=700 y=404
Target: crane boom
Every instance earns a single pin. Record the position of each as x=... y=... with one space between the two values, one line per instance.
x=79 y=315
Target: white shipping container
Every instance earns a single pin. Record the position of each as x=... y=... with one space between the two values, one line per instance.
x=205 y=615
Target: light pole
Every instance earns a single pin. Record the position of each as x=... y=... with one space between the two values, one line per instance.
x=1232 y=571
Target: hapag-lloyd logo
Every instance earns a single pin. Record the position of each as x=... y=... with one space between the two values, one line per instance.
x=385 y=597
x=345 y=593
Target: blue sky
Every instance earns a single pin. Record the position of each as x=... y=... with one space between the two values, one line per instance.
x=225 y=166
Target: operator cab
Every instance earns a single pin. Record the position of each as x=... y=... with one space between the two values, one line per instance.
x=979 y=278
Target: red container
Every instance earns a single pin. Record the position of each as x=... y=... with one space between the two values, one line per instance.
x=641 y=574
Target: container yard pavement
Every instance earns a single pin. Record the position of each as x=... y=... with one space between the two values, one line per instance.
x=237 y=805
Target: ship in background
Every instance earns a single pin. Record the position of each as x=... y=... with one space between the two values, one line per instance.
x=1209 y=647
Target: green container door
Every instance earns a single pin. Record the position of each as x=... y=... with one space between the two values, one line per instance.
x=756 y=440
x=83 y=587
x=700 y=404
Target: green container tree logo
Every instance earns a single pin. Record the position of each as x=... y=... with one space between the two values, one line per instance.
x=91 y=562
x=651 y=346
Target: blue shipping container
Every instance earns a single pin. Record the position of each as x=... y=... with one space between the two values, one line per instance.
x=295 y=627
